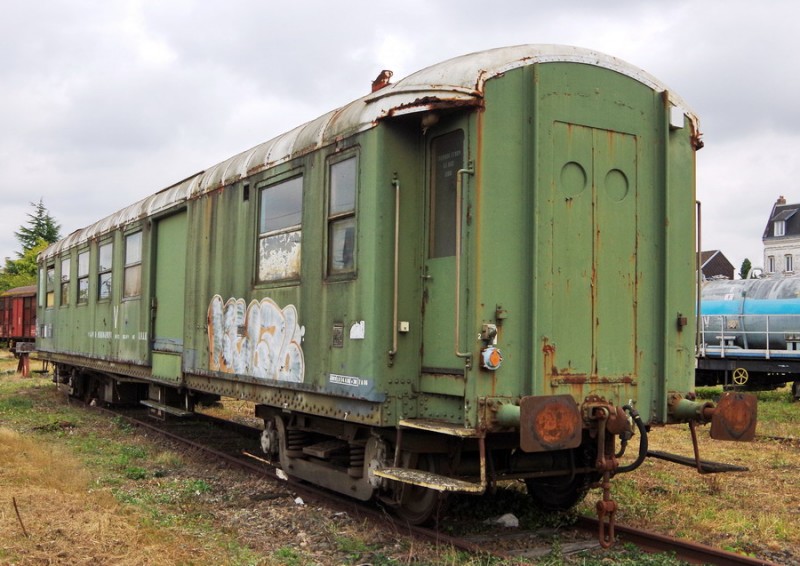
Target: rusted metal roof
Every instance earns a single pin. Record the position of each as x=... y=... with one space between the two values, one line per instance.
x=456 y=82
x=26 y=291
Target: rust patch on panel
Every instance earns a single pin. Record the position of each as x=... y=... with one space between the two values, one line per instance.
x=428 y=103
x=567 y=379
x=550 y=422
x=549 y=350
x=734 y=417
x=565 y=376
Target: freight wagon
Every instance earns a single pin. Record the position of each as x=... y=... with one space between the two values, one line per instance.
x=481 y=272
x=18 y=317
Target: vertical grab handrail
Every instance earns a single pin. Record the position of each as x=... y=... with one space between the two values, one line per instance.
x=396 y=185
x=699 y=267
x=459 y=187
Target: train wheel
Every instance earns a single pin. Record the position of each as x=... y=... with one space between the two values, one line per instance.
x=419 y=504
x=270 y=442
x=558 y=494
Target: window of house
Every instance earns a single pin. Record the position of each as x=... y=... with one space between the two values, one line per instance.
x=780 y=228
x=83 y=277
x=771 y=264
x=342 y=217
x=51 y=286
x=280 y=230
x=133 y=265
x=104 y=259
x=789 y=262
x=65 y=266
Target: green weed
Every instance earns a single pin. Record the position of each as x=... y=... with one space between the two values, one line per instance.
x=15 y=405
x=135 y=473
x=123 y=424
x=289 y=556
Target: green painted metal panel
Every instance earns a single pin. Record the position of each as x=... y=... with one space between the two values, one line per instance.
x=166 y=366
x=582 y=236
x=603 y=237
x=438 y=337
x=169 y=296
x=594 y=288
x=617 y=280
x=571 y=258
x=599 y=263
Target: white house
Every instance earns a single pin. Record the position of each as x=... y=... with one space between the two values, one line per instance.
x=782 y=239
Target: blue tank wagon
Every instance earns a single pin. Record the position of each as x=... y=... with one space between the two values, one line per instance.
x=750 y=333
x=480 y=272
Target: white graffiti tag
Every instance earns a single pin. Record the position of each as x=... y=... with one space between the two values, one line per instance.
x=260 y=339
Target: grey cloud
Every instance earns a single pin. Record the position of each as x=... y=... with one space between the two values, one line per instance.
x=108 y=102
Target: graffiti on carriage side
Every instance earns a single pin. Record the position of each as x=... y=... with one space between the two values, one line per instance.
x=260 y=339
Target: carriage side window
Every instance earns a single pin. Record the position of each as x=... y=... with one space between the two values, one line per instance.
x=65 y=266
x=280 y=230
x=51 y=286
x=83 y=277
x=447 y=157
x=42 y=286
x=104 y=271
x=133 y=265
x=342 y=217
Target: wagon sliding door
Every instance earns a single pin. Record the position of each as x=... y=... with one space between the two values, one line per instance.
x=168 y=296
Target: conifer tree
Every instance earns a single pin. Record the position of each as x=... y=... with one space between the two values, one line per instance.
x=40 y=231
x=42 y=226
x=744 y=271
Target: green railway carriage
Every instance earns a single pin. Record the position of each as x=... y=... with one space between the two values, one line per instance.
x=477 y=273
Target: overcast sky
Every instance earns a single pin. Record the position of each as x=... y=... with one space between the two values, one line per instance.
x=105 y=102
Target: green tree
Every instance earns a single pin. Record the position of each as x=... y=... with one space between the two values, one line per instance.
x=41 y=226
x=40 y=231
x=22 y=271
x=744 y=272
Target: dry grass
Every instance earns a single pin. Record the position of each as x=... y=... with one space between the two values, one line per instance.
x=751 y=512
x=63 y=521
x=55 y=508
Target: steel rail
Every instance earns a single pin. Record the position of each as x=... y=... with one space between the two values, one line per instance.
x=685 y=550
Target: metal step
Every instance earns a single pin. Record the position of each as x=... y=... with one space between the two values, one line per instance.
x=165 y=408
x=325 y=448
x=441 y=427
x=431 y=481
x=706 y=466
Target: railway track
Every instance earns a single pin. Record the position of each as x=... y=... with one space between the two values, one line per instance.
x=238 y=445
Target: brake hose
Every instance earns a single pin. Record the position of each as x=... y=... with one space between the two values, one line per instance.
x=642 y=441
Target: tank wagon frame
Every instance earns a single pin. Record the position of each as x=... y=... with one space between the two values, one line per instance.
x=481 y=272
